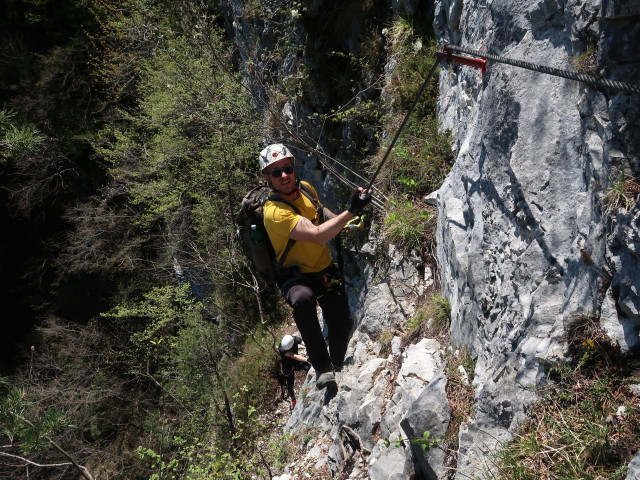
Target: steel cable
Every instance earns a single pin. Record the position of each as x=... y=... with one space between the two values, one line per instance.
x=304 y=142
x=404 y=122
x=581 y=77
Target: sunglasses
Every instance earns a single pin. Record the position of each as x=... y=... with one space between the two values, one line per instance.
x=277 y=172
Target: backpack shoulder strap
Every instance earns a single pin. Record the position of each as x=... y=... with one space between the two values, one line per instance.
x=276 y=198
x=311 y=195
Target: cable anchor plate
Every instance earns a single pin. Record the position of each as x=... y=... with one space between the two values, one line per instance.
x=446 y=55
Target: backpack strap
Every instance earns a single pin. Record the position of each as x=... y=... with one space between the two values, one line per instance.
x=314 y=200
x=291 y=242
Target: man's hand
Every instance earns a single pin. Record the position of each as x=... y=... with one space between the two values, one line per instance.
x=360 y=199
x=306 y=231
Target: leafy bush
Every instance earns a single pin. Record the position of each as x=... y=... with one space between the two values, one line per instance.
x=253 y=371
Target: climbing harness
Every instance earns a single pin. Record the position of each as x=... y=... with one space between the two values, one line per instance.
x=445 y=54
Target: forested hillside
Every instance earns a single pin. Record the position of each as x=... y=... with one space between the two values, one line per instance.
x=139 y=342
x=492 y=281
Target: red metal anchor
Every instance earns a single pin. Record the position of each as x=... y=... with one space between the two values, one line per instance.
x=446 y=55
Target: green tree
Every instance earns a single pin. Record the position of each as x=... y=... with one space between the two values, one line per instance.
x=27 y=436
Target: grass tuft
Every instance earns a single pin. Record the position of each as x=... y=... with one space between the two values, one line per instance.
x=621 y=195
x=431 y=319
x=586 y=63
x=405 y=224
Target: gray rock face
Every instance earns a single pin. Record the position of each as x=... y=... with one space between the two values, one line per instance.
x=430 y=413
x=389 y=463
x=634 y=469
x=523 y=242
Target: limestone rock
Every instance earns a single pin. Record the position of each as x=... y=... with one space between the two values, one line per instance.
x=524 y=240
x=425 y=424
x=634 y=468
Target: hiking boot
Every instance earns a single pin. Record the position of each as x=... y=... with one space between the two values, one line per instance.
x=326 y=380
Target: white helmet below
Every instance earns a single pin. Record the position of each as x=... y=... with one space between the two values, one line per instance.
x=272 y=154
x=286 y=343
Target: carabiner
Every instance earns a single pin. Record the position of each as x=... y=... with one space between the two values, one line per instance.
x=355 y=222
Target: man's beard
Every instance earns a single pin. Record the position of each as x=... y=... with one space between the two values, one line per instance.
x=288 y=189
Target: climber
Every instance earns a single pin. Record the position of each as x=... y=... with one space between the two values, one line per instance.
x=309 y=275
x=292 y=361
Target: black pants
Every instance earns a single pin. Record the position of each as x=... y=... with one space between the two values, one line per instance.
x=289 y=372
x=304 y=293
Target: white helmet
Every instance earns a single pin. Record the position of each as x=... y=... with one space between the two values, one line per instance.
x=273 y=153
x=286 y=343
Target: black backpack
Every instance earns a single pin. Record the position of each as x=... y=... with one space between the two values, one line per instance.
x=252 y=234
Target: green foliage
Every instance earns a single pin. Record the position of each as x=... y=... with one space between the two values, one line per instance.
x=202 y=461
x=187 y=146
x=441 y=312
x=422 y=156
x=18 y=140
x=29 y=436
x=418 y=320
x=414 y=47
x=12 y=406
x=253 y=368
x=364 y=114
x=194 y=364
x=586 y=62
x=621 y=194
x=169 y=336
x=182 y=158
x=426 y=442
x=431 y=318
x=156 y=321
x=405 y=224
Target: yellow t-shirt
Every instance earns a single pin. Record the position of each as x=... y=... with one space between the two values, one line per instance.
x=280 y=219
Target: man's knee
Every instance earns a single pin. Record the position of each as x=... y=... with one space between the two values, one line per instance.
x=301 y=296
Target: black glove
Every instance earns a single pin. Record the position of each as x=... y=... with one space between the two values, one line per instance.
x=359 y=201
